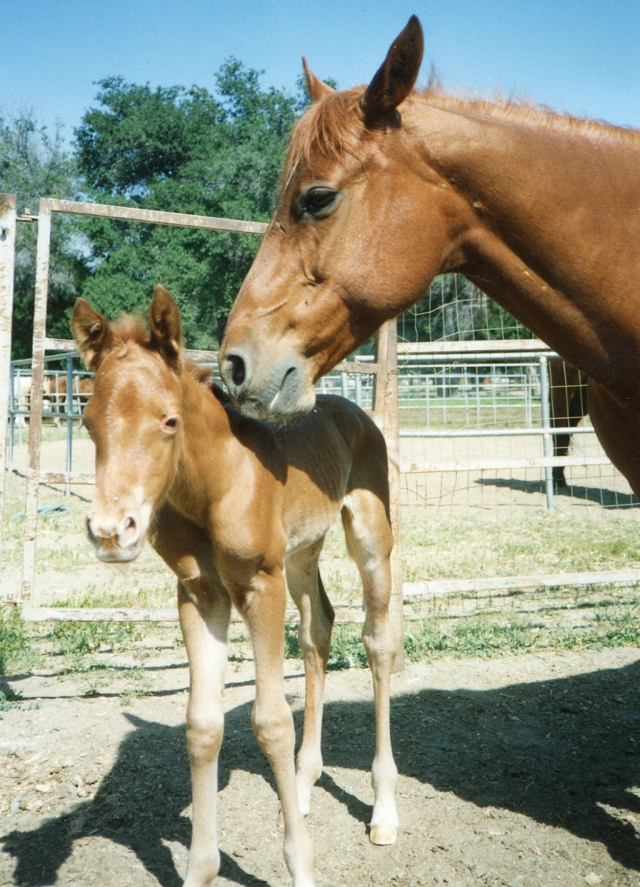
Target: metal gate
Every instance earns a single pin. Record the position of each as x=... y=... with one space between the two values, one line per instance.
x=383 y=370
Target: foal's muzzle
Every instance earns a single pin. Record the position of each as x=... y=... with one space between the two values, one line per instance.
x=115 y=539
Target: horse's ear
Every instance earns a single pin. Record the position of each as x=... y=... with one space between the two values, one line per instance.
x=166 y=328
x=92 y=333
x=315 y=87
x=396 y=77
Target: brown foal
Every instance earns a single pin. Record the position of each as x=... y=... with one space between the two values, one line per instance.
x=385 y=187
x=234 y=506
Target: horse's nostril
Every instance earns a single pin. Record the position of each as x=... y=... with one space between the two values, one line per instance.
x=238 y=369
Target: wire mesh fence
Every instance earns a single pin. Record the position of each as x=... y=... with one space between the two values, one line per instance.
x=507 y=496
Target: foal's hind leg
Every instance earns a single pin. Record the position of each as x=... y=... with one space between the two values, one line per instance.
x=369 y=543
x=314 y=635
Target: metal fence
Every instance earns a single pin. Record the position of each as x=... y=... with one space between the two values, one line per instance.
x=383 y=406
x=441 y=405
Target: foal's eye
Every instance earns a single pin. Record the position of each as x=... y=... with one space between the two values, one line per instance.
x=170 y=423
x=319 y=202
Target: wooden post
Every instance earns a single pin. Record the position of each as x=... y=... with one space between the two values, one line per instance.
x=7 y=261
x=386 y=413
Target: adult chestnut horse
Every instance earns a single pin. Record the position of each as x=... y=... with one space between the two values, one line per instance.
x=231 y=504
x=385 y=187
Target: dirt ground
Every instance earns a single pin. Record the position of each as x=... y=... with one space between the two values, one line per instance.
x=517 y=771
x=520 y=771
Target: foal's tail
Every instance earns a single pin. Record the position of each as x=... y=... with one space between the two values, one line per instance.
x=325 y=603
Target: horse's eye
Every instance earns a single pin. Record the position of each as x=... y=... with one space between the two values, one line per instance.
x=319 y=202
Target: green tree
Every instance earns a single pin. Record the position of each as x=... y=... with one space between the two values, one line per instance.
x=182 y=150
x=33 y=164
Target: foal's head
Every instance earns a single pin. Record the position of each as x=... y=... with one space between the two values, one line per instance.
x=344 y=249
x=133 y=417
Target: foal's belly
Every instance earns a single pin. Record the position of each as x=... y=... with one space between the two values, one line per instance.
x=306 y=525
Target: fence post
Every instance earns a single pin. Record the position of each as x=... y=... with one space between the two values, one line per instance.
x=7 y=262
x=12 y=416
x=69 y=411
x=386 y=409
x=547 y=443
x=28 y=590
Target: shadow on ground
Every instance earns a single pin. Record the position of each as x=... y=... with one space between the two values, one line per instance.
x=562 y=752
x=599 y=495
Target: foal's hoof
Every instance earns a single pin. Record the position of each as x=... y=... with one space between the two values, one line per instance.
x=383 y=834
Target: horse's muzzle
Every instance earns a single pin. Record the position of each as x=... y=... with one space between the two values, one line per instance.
x=280 y=393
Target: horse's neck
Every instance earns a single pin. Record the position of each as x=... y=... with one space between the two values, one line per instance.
x=556 y=224
x=200 y=470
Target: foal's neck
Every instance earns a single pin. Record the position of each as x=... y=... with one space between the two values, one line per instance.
x=201 y=474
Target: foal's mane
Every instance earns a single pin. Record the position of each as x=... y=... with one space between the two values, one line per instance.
x=334 y=125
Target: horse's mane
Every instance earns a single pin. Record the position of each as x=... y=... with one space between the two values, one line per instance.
x=520 y=110
x=334 y=125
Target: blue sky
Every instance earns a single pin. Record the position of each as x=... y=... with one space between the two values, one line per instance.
x=582 y=57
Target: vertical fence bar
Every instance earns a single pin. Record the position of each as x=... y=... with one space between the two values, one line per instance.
x=427 y=386
x=12 y=420
x=547 y=442
x=444 y=395
x=359 y=390
x=7 y=263
x=494 y=394
x=465 y=389
x=69 y=411
x=28 y=591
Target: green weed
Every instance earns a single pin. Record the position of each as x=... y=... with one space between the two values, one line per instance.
x=13 y=639
x=77 y=639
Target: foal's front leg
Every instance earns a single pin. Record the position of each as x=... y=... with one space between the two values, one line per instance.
x=264 y=609
x=204 y=628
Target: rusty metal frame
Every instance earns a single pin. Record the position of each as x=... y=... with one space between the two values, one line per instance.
x=7 y=264
x=385 y=413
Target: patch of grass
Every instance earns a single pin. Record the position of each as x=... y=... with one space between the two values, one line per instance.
x=347 y=649
x=466 y=547
x=496 y=633
x=291 y=645
x=128 y=696
x=77 y=639
x=13 y=638
x=9 y=699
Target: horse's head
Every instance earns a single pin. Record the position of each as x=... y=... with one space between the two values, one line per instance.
x=134 y=419
x=344 y=250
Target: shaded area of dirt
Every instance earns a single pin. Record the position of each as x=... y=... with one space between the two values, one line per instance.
x=516 y=771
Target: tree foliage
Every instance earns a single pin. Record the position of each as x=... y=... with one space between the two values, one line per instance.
x=33 y=164
x=182 y=150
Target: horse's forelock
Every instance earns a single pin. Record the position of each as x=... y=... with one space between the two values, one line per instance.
x=129 y=329
x=331 y=127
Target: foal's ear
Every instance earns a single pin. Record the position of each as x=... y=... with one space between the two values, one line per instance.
x=92 y=333
x=166 y=329
x=396 y=77
x=315 y=87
